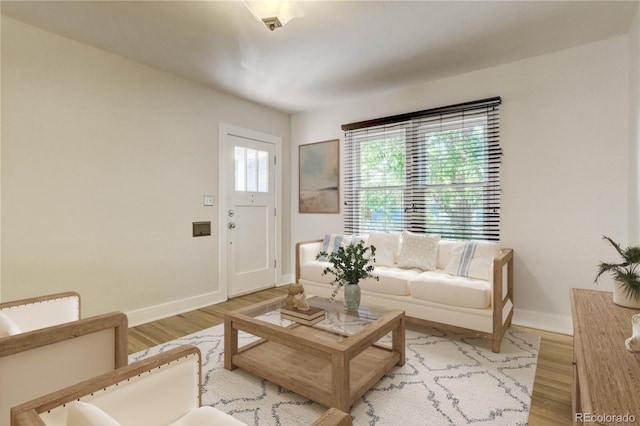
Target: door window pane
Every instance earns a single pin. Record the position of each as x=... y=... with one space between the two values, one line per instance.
x=251 y=170
x=263 y=171
x=240 y=169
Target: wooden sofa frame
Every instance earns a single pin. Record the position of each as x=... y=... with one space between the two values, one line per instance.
x=498 y=303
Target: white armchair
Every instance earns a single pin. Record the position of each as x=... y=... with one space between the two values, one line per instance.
x=37 y=361
x=164 y=389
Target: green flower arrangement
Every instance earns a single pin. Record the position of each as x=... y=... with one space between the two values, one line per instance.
x=350 y=264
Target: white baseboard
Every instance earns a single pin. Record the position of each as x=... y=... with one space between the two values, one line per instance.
x=285 y=280
x=549 y=322
x=175 y=307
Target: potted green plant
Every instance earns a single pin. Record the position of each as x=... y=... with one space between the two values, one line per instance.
x=625 y=274
x=349 y=265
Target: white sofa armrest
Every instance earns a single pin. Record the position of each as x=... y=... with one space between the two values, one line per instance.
x=40 y=361
x=43 y=311
x=155 y=390
x=306 y=251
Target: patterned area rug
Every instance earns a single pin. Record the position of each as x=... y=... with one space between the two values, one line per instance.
x=447 y=379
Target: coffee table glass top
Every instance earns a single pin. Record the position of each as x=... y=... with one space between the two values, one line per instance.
x=337 y=318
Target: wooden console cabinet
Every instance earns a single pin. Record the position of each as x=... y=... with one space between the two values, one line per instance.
x=606 y=377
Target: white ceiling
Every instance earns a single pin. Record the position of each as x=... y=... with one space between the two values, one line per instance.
x=340 y=50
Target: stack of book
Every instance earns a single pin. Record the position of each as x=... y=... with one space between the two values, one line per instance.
x=310 y=317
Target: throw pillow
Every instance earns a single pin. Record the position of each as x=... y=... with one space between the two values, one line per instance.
x=84 y=414
x=472 y=259
x=7 y=326
x=419 y=251
x=206 y=415
x=332 y=242
x=386 y=245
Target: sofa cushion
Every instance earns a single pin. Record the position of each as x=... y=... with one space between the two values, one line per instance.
x=444 y=253
x=386 y=245
x=312 y=271
x=472 y=259
x=84 y=414
x=7 y=326
x=418 y=251
x=392 y=280
x=440 y=287
x=206 y=415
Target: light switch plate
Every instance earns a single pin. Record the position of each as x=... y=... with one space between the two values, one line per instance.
x=208 y=200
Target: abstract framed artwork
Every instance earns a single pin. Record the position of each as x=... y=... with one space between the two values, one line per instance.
x=319 y=177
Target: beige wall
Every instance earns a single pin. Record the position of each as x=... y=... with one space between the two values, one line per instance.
x=564 y=133
x=104 y=166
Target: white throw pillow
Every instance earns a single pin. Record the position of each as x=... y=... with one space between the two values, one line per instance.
x=472 y=259
x=332 y=242
x=7 y=327
x=84 y=414
x=208 y=416
x=419 y=251
x=386 y=245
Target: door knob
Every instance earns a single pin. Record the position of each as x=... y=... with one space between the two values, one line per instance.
x=232 y=225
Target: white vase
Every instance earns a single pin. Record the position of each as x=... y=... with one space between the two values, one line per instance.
x=620 y=298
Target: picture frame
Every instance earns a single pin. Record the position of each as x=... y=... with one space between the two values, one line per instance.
x=319 y=177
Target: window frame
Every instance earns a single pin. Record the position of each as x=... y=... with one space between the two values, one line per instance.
x=415 y=189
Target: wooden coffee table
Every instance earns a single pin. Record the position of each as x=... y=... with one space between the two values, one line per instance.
x=333 y=362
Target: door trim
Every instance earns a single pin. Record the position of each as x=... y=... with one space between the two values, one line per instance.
x=226 y=130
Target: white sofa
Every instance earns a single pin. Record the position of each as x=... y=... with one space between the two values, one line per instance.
x=433 y=297
x=54 y=348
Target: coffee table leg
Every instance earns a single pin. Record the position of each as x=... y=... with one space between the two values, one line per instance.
x=340 y=380
x=398 y=339
x=230 y=344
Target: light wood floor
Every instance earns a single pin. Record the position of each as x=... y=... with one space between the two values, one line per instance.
x=551 y=402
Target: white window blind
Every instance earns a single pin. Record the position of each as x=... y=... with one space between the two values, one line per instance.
x=435 y=171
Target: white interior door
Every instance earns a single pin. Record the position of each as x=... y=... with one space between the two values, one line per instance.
x=250 y=216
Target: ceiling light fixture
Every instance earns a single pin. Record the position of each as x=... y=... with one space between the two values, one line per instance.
x=274 y=13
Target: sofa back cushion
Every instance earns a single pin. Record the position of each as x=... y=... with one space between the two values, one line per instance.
x=444 y=253
x=386 y=245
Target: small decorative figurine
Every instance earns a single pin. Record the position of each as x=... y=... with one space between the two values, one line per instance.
x=633 y=342
x=300 y=301
x=294 y=289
